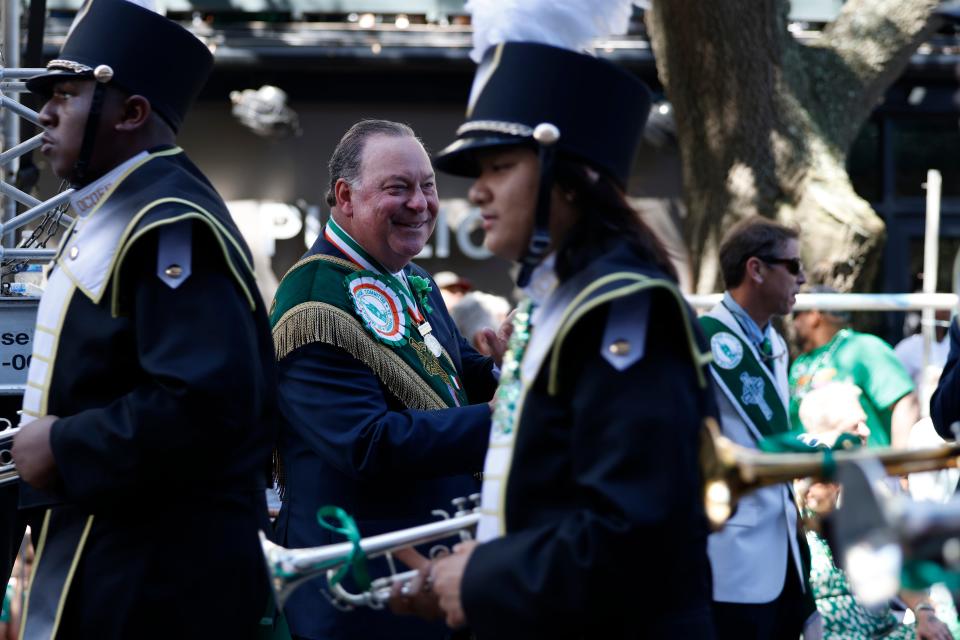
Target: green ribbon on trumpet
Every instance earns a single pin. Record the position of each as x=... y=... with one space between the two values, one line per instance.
x=357 y=559
x=798 y=441
x=917 y=575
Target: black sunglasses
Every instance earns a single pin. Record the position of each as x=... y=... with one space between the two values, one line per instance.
x=793 y=265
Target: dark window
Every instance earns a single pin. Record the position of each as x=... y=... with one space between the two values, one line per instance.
x=864 y=162
x=919 y=144
x=948 y=250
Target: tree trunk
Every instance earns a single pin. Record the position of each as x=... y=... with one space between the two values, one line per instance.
x=765 y=123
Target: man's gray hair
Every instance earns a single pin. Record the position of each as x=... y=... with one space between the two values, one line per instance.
x=348 y=156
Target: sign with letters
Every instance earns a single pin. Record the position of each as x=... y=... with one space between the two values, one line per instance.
x=16 y=342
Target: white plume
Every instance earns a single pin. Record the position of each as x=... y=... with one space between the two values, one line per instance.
x=569 y=24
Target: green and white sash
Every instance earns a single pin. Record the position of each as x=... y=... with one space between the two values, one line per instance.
x=412 y=290
x=744 y=380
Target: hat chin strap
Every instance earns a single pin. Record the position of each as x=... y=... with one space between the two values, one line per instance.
x=546 y=136
x=78 y=176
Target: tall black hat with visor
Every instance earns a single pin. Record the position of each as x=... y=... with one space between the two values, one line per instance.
x=122 y=44
x=556 y=101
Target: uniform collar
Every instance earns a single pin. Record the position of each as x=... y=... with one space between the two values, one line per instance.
x=543 y=281
x=85 y=200
x=752 y=330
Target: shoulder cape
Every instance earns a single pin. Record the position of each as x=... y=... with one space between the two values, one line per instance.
x=312 y=305
x=163 y=189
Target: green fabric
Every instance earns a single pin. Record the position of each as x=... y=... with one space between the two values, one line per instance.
x=316 y=279
x=918 y=575
x=421 y=288
x=843 y=617
x=7 y=602
x=746 y=370
x=357 y=560
x=864 y=360
x=413 y=294
x=799 y=441
x=377 y=315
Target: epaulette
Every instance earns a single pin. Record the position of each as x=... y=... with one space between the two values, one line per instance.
x=622 y=286
x=625 y=336
x=176 y=239
x=175 y=254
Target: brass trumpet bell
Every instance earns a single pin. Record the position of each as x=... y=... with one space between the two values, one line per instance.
x=730 y=470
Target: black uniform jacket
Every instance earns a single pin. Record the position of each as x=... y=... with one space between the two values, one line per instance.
x=945 y=401
x=346 y=440
x=167 y=403
x=605 y=530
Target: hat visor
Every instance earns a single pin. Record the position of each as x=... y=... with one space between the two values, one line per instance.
x=459 y=158
x=43 y=84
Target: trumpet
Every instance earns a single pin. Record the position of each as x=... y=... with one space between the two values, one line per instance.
x=876 y=534
x=730 y=471
x=290 y=568
x=8 y=469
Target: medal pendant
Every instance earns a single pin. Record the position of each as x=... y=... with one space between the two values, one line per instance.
x=433 y=344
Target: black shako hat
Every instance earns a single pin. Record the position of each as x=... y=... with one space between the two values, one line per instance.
x=598 y=108
x=136 y=50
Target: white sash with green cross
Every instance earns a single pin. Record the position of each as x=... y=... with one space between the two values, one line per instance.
x=744 y=380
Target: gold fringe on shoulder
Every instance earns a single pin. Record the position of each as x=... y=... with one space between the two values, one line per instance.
x=311 y=322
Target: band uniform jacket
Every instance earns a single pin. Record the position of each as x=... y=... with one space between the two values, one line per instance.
x=749 y=555
x=165 y=384
x=603 y=528
x=347 y=440
x=945 y=401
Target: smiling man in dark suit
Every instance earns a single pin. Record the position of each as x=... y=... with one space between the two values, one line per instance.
x=378 y=388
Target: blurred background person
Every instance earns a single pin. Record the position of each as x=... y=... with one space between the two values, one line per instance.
x=452 y=287
x=833 y=352
x=478 y=315
x=827 y=412
x=910 y=350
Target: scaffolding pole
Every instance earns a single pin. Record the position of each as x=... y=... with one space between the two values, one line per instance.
x=11 y=121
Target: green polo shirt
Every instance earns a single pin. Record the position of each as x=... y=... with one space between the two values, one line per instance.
x=864 y=360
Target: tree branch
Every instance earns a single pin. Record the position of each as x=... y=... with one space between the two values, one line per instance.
x=859 y=56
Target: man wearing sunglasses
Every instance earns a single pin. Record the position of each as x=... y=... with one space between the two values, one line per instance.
x=832 y=352
x=759 y=585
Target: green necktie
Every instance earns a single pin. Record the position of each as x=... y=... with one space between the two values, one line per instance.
x=766 y=349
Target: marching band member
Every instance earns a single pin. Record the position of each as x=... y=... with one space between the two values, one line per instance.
x=592 y=518
x=151 y=396
x=377 y=385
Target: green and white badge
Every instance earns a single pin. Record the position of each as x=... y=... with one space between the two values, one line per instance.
x=379 y=306
x=727 y=350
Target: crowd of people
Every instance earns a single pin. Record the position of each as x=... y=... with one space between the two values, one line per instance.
x=164 y=396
